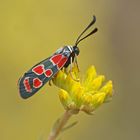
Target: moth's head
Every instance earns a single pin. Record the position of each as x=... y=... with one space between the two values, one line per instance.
x=76 y=50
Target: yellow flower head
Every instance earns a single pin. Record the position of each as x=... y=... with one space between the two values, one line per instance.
x=84 y=95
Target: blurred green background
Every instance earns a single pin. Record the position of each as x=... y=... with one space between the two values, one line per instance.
x=31 y=30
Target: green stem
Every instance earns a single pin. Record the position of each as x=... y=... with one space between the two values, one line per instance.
x=55 y=132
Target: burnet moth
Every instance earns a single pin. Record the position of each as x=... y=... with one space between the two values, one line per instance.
x=43 y=72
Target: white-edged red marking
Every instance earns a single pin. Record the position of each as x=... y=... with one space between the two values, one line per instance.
x=56 y=58
x=38 y=69
x=62 y=62
x=37 y=83
x=27 y=84
x=48 y=73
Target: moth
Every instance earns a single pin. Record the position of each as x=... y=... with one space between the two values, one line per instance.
x=37 y=76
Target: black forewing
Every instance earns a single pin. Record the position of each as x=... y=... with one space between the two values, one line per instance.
x=31 y=75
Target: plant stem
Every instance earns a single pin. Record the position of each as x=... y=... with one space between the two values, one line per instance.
x=55 y=132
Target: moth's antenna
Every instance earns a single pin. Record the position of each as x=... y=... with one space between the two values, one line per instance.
x=92 y=32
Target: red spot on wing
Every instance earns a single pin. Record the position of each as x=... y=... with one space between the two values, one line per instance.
x=37 y=83
x=56 y=58
x=48 y=72
x=62 y=62
x=27 y=85
x=38 y=69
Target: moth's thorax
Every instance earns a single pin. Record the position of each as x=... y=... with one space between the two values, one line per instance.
x=68 y=49
x=72 y=49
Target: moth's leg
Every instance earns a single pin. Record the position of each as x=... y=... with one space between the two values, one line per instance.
x=50 y=83
x=76 y=62
x=77 y=80
x=66 y=70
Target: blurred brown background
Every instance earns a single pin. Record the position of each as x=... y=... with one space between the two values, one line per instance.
x=31 y=30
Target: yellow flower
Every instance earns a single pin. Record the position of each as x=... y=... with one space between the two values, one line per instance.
x=84 y=95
